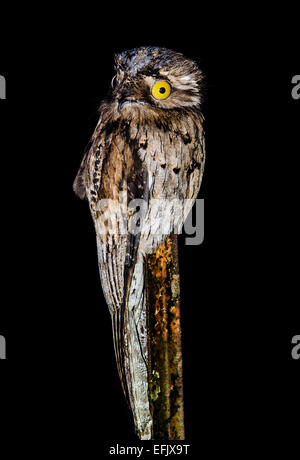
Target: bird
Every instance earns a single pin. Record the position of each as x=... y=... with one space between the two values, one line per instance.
x=141 y=173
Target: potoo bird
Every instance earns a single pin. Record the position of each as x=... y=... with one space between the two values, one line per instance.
x=141 y=173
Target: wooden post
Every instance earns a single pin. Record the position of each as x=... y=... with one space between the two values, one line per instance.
x=165 y=356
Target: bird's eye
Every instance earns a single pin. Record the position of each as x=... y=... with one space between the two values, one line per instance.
x=161 y=89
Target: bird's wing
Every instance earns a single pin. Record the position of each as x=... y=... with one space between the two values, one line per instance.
x=83 y=179
x=111 y=176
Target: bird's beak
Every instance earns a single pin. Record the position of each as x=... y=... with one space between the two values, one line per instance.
x=123 y=102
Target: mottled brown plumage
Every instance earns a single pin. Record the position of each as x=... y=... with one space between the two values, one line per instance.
x=149 y=149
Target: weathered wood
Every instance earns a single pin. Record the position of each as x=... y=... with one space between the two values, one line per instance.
x=165 y=355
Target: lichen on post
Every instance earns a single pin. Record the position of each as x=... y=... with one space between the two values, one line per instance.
x=165 y=354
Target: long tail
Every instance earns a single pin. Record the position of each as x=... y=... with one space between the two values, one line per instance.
x=124 y=291
x=136 y=351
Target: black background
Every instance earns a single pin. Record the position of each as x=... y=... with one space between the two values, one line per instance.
x=239 y=288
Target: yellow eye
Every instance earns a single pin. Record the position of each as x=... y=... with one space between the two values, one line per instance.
x=161 y=89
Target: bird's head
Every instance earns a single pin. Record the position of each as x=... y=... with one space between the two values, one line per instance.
x=156 y=77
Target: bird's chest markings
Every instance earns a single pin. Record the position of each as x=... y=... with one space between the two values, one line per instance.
x=193 y=165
